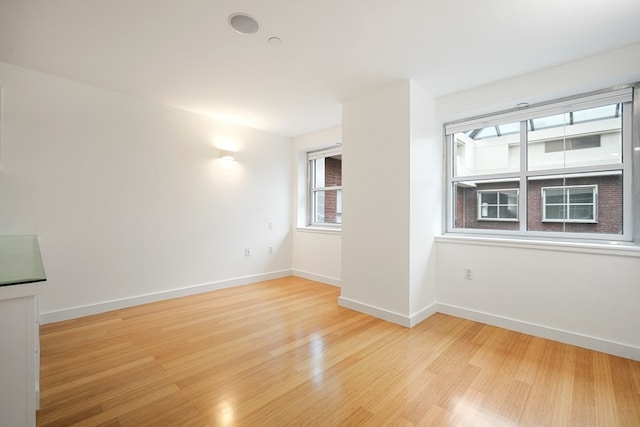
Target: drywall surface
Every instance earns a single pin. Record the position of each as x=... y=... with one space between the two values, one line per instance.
x=581 y=297
x=375 y=232
x=610 y=69
x=425 y=208
x=130 y=198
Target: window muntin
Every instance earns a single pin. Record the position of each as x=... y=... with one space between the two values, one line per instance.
x=570 y=204
x=498 y=205
x=325 y=188
x=597 y=152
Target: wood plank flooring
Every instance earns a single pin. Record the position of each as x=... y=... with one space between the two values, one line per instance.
x=283 y=353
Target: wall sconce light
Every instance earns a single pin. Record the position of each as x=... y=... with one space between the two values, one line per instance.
x=227 y=155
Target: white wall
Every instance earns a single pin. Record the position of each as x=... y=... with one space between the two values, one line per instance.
x=316 y=253
x=616 y=67
x=425 y=205
x=585 y=297
x=129 y=199
x=375 y=229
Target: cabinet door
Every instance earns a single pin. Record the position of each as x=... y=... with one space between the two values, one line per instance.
x=17 y=361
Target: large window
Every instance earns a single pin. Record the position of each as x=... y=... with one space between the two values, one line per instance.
x=562 y=169
x=325 y=187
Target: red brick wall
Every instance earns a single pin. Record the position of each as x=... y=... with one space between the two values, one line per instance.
x=333 y=177
x=467 y=208
x=460 y=208
x=609 y=206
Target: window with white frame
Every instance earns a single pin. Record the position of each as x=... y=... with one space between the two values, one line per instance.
x=571 y=204
x=498 y=205
x=561 y=169
x=325 y=187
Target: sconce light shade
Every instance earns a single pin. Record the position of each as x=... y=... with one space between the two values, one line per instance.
x=227 y=155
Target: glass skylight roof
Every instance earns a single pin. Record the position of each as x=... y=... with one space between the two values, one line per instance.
x=566 y=119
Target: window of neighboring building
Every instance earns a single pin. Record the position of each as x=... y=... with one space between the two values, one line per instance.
x=560 y=169
x=498 y=205
x=325 y=187
x=578 y=143
x=574 y=204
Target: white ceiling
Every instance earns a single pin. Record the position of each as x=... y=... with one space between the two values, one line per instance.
x=184 y=54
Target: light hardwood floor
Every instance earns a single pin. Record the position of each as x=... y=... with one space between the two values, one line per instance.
x=283 y=353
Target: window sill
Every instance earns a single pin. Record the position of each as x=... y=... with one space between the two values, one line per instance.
x=572 y=221
x=321 y=230
x=605 y=248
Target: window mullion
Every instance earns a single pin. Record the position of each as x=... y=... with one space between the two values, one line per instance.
x=523 y=193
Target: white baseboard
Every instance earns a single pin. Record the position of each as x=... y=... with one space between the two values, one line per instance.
x=317 y=277
x=423 y=314
x=389 y=316
x=87 y=310
x=378 y=312
x=567 y=337
x=592 y=343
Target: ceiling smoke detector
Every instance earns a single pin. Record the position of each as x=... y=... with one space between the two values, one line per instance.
x=243 y=23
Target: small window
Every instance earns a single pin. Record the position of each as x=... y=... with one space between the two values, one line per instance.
x=498 y=205
x=578 y=143
x=570 y=204
x=325 y=187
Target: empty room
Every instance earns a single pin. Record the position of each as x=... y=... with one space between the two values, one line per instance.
x=319 y=213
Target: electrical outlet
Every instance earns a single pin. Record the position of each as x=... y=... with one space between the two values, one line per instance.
x=467 y=273
x=247 y=251
x=270 y=250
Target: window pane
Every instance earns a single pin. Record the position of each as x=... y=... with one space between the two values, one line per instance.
x=488 y=132
x=508 y=197
x=478 y=204
x=488 y=211
x=554 y=195
x=581 y=138
x=592 y=203
x=317 y=180
x=546 y=122
x=580 y=195
x=328 y=172
x=487 y=150
x=598 y=113
x=509 y=128
x=508 y=211
x=327 y=207
x=581 y=212
x=491 y=198
x=555 y=211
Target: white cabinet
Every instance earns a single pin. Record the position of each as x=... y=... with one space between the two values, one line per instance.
x=21 y=277
x=19 y=355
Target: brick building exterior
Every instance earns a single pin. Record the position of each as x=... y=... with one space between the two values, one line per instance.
x=333 y=177
x=608 y=206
